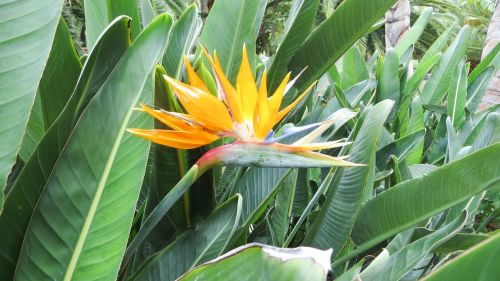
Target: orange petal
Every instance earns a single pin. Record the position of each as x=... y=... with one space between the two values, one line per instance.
x=193 y=77
x=229 y=94
x=171 y=121
x=245 y=87
x=261 y=118
x=287 y=109
x=176 y=139
x=275 y=100
x=202 y=105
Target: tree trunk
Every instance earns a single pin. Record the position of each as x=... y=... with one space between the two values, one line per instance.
x=492 y=95
x=397 y=23
x=206 y=5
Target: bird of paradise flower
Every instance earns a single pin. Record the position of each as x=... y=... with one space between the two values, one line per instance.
x=243 y=112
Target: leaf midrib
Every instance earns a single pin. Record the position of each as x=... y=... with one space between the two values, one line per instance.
x=100 y=188
x=455 y=97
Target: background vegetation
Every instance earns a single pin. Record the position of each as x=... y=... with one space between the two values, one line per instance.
x=85 y=200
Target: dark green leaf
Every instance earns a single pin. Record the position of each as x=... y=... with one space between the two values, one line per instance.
x=479 y=263
x=477 y=88
x=416 y=30
x=457 y=95
x=298 y=27
x=404 y=260
x=99 y=13
x=333 y=225
x=334 y=36
x=354 y=68
x=184 y=33
x=423 y=197
x=205 y=242
x=24 y=47
x=229 y=25
x=96 y=177
x=435 y=89
x=26 y=190
x=265 y=263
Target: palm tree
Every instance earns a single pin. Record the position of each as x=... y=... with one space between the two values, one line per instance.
x=397 y=22
x=492 y=95
x=475 y=13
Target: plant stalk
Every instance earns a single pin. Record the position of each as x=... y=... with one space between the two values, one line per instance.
x=167 y=202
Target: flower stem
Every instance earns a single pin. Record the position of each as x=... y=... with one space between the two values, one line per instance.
x=181 y=161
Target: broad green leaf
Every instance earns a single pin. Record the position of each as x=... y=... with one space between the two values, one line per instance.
x=404 y=260
x=177 y=6
x=439 y=82
x=24 y=47
x=377 y=265
x=419 y=170
x=351 y=274
x=477 y=88
x=473 y=127
x=333 y=74
x=459 y=242
x=207 y=77
x=148 y=12
x=229 y=25
x=416 y=123
x=490 y=133
x=261 y=262
x=298 y=26
x=436 y=151
x=418 y=76
x=280 y=216
x=168 y=167
x=341 y=98
x=388 y=83
x=438 y=45
x=302 y=193
x=257 y=187
x=416 y=30
x=96 y=181
x=34 y=130
x=334 y=36
x=457 y=95
x=360 y=92
x=99 y=13
x=479 y=263
x=161 y=209
x=59 y=76
x=227 y=182
x=56 y=86
x=399 y=148
x=492 y=59
x=454 y=143
x=201 y=244
x=184 y=33
x=354 y=68
x=400 y=241
x=426 y=196
x=31 y=181
x=333 y=225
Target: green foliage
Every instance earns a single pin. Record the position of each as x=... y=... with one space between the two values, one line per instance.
x=272 y=264
x=31 y=181
x=475 y=13
x=25 y=52
x=88 y=201
x=478 y=263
